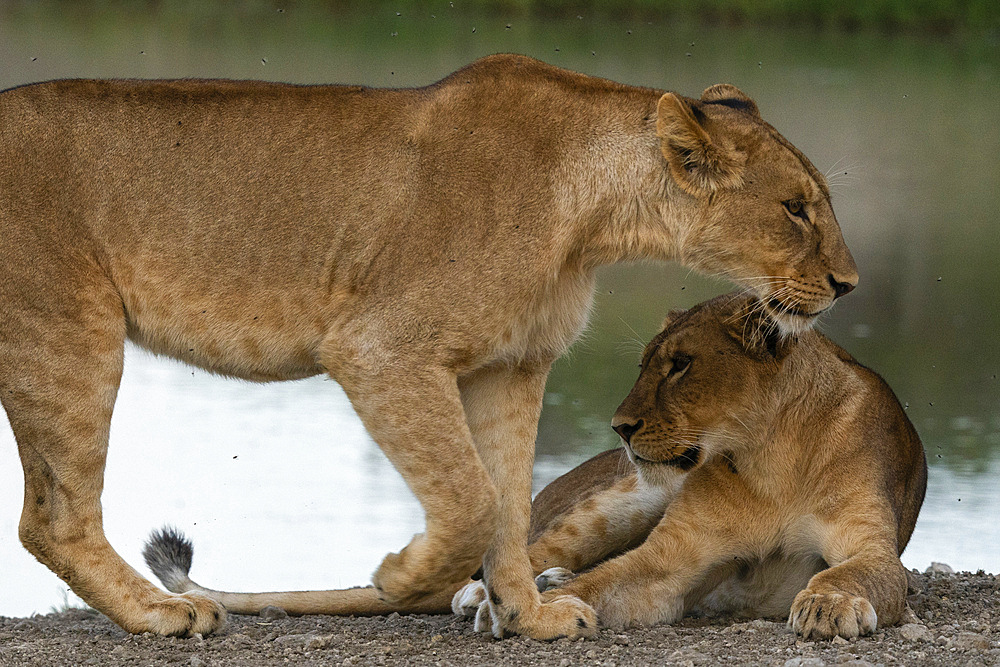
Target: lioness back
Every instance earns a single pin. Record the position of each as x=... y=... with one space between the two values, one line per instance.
x=243 y=222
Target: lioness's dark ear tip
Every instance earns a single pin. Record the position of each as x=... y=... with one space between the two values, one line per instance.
x=730 y=96
x=671 y=318
x=671 y=111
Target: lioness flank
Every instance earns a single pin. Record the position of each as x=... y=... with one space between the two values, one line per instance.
x=770 y=475
x=433 y=250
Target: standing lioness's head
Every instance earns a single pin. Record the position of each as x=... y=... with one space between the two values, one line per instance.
x=761 y=211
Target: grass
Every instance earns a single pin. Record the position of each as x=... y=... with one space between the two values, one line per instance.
x=70 y=605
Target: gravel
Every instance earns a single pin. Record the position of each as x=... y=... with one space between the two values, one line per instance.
x=956 y=621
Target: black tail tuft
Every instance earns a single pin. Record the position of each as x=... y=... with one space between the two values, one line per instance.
x=168 y=554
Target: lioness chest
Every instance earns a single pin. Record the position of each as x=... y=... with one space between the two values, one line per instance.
x=260 y=230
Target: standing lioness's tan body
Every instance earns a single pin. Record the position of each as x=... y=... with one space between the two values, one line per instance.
x=432 y=249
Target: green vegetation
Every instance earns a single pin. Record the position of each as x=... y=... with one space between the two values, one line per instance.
x=938 y=16
x=926 y=16
x=907 y=16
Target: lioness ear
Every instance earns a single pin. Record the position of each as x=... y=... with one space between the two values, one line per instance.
x=671 y=318
x=730 y=96
x=699 y=164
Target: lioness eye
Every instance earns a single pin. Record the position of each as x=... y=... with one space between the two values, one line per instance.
x=680 y=364
x=797 y=208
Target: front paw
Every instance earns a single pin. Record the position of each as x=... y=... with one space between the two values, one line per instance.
x=554 y=577
x=467 y=600
x=558 y=616
x=828 y=615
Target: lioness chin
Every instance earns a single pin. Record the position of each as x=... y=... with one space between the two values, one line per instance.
x=761 y=475
x=433 y=250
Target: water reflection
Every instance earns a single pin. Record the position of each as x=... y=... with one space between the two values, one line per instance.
x=279 y=485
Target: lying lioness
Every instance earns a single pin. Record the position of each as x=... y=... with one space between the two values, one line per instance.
x=770 y=475
x=433 y=250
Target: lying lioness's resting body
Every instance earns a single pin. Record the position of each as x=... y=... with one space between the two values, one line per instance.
x=433 y=250
x=769 y=476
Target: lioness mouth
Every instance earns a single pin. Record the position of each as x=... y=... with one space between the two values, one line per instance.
x=685 y=460
x=790 y=310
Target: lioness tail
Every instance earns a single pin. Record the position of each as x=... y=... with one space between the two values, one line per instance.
x=169 y=554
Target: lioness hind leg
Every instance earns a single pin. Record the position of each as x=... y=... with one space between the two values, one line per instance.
x=415 y=415
x=60 y=367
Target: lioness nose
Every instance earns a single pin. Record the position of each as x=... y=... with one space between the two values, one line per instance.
x=839 y=288
x=626 y=431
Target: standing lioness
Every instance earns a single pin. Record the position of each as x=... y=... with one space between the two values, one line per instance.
x=432 y=249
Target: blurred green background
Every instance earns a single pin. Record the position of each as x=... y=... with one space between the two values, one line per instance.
x=897 y=100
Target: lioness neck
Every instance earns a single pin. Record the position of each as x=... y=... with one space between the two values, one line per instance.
x=615 y=193
x=794 y=421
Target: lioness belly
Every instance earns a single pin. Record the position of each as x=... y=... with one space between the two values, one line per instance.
x=260 y=344
x=761 y=588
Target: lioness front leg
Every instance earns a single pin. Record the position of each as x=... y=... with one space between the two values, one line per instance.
x=415 y=415
x=648 y=584
x=865 y=588
x=503 y=404
x=58 y=383
x=596 y=511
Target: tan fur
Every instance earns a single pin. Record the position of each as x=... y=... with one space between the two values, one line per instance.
x=431 y=249
x=791 y=479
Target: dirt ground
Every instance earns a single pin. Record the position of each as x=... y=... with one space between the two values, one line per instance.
x=958 y=623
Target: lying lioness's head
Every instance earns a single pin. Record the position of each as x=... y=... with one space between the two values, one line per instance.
x=763 y=207
x=709 y=364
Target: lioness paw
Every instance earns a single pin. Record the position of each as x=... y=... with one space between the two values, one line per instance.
x=554 y=577
x=467 y=600
x=486 y=623
x=558 y=616
x=828 y=615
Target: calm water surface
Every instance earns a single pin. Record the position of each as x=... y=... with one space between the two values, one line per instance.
x=279 y=485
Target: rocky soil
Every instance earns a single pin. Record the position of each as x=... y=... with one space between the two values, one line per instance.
x=956 y=622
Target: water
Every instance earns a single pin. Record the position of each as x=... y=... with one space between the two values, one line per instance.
x=279 y=485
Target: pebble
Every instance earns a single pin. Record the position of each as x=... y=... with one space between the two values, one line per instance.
x=315 y=641
x=915 y=632
x=291 y=639
x=196 y=661
x=839 y=641
x=804 y=662
x=272 y=613
x=969 y=641
x=939 y=568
